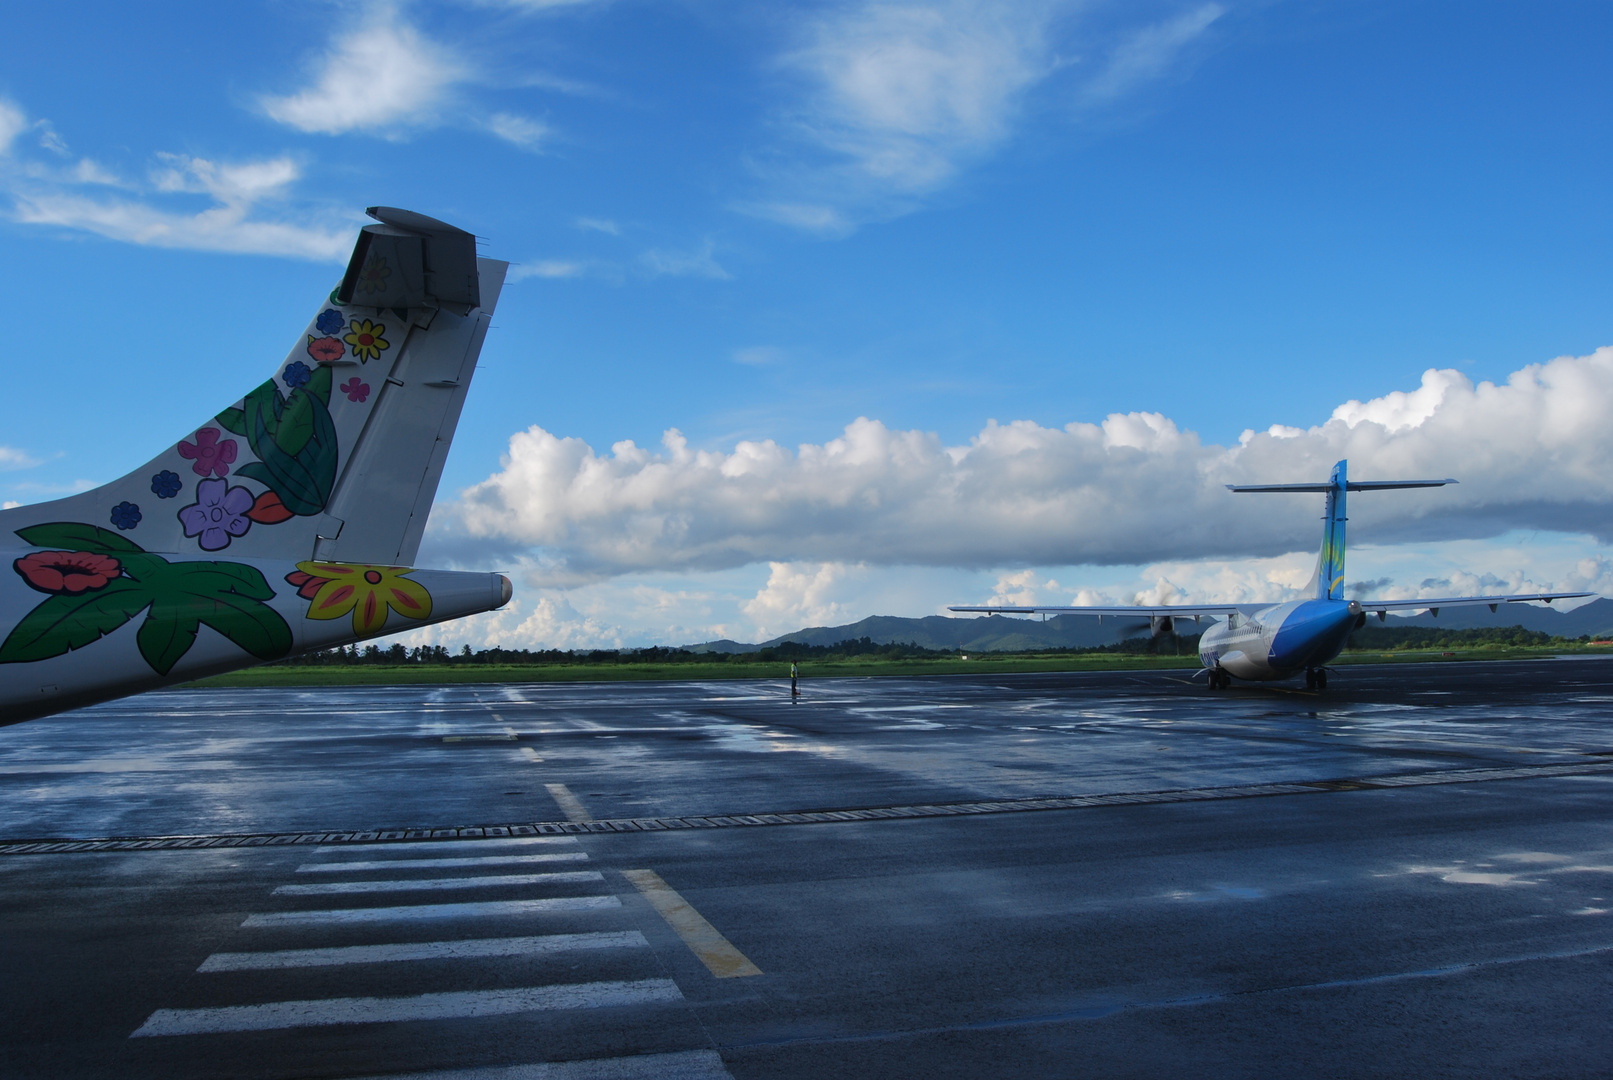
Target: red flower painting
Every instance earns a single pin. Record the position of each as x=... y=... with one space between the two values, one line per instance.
x=326 y=349
x=67 y=571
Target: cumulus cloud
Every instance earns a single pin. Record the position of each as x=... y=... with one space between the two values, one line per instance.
x=800 y=594
x=1534 y=452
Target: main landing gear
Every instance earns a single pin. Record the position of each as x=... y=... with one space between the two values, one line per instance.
x=1220 y=680
x=1316 y=678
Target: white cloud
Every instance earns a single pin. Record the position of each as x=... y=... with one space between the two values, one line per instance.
x=247 y=206
x=379 y=75
x=903 y=91
x=604 y=225
x=807 y=217
x=234 y=222
x=697 y=263
x=798 y=595
x=520 y=131
x=897 y=97
x=1399 y=410
x=13 y=122
x=1535 y=452
x=1149 y=53
x=12 y=458
x=538 y=6
x=1023 y=589
x=545 y=268
x=759 y=356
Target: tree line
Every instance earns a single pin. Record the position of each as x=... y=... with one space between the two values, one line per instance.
x=1367 y=639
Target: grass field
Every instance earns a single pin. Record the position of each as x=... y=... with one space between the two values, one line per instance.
x=856 y=667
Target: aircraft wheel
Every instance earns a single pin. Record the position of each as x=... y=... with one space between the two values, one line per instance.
x=1310 y=679
x=1321 y=680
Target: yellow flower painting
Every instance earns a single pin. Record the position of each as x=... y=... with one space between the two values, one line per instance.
x=369 y=592
x=364 y=337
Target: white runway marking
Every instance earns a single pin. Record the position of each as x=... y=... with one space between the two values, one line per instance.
x=569 y=804
x=278 y=1015
x=689 y=1065
x=414 y=864
x=328 y=888
x=434 y=911
x=414 y=847
x=423 y=950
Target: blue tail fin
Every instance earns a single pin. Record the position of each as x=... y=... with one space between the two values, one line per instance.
x=1330 y=561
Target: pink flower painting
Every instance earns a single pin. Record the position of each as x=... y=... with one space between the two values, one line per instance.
x=209 y=453
x=355 y=390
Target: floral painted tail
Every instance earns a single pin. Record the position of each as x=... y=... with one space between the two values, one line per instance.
x=284 y=522
x=338 y=453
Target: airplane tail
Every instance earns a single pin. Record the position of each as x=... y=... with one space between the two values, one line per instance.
x=338 y=454
x=1327 y=583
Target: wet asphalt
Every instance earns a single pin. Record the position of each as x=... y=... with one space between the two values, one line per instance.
x=1450 y=929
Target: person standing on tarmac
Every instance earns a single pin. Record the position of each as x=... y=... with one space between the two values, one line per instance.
x=794 y=674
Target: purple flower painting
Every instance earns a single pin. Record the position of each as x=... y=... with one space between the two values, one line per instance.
x=217 y=515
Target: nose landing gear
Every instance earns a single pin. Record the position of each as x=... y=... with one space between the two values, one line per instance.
x=1220 y=680
x=1316 y=678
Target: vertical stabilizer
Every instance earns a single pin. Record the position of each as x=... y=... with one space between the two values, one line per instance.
x=338 y=454
x=1330 y=561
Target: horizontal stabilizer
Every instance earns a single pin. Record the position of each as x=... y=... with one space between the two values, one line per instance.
x=1353 y=485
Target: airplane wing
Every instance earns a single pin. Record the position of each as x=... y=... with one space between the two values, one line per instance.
x=1433 y=604
x=1185 y=611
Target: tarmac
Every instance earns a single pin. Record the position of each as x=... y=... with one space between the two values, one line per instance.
x=1078 y=875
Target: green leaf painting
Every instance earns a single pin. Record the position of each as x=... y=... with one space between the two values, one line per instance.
x=295 y=442
x=178 y=598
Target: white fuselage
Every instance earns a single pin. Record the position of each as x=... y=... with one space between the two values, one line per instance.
x=1280 y=641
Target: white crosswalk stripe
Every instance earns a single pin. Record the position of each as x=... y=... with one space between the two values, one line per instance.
x=477 y=909
x=613 y=987
x=688 y=1065
x=374 y=1010
x=328 y=888
x=472 y=948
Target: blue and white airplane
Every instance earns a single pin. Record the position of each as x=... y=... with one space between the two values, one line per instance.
x=1264 y=642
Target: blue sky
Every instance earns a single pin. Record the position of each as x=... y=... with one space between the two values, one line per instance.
x=758 y=223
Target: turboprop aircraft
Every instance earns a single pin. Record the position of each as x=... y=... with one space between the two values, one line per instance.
x=286 y=522
x=1263 y=642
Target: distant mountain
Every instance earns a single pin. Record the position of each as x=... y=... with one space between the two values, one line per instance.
x=1000 y=633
